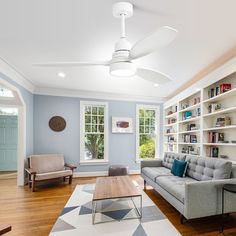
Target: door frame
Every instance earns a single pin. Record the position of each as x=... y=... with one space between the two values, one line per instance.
x=21 y=126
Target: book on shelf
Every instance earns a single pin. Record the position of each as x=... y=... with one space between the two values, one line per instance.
x=215 y=137
x=225 y=87
x=190 y=138
x=213 y=151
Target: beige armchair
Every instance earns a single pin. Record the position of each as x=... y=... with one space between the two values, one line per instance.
x=46 y=167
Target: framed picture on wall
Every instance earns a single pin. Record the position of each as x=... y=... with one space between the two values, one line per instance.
x=122 y=125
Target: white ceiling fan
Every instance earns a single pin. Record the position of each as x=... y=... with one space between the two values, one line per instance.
x=121 y=63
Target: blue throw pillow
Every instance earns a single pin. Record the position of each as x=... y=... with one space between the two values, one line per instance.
x=179 y=168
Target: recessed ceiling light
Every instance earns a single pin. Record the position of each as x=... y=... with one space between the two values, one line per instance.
x=61 y=74
x=156 y=85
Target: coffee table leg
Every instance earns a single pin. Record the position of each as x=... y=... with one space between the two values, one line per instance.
x=139 y=212
x=93 y=211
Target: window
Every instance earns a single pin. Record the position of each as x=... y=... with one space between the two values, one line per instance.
x=4 y=92
x=147 y=121
x=93 y=138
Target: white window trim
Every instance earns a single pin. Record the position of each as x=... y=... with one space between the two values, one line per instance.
x=157 y=129
x=82 y=159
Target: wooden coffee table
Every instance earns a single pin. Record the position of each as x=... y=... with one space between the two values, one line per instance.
x=115 y=187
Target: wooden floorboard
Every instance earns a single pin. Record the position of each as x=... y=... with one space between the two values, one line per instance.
x=35 y=213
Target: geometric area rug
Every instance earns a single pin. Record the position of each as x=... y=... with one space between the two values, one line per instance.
x=76 y=217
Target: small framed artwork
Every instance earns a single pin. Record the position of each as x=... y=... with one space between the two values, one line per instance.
x=122 y=125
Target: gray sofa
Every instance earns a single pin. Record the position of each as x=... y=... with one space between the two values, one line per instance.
x=199 y=193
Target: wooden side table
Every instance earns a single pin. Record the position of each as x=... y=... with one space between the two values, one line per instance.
x=4 y=229
x=228 y=188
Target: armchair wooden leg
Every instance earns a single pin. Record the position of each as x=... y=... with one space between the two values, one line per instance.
x=145 y=184
x=70 y=179
x=64 y=179
x=29 y=181
x=33 y=183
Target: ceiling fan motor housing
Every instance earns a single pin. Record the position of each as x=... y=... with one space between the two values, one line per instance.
x=124 y=8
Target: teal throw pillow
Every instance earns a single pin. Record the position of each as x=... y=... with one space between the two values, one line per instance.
x=179 y=168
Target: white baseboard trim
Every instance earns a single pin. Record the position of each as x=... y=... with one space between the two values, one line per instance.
x=100 y=173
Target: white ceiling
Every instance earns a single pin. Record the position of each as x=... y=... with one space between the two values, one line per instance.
x=60 y=30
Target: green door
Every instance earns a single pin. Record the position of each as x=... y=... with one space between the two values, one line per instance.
x=8 y=143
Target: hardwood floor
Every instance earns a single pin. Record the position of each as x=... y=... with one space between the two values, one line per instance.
x=35 y=213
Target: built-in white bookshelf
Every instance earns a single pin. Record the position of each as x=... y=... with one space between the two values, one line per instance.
x=205 y=121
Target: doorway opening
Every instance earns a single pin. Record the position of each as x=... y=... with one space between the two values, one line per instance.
x=12 y=133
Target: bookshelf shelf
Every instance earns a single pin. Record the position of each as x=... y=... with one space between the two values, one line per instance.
x=189 y=131
x=189 y=120
x=170 y=134
x=219 y=144
x=172 y=115
x=220 y=128
x=223 y=111
x=172 y=124
x=190 y=107
x=182 y=143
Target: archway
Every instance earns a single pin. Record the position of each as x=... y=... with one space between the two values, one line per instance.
x=19 y=103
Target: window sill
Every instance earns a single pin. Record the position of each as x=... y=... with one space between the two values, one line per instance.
x=93 y=163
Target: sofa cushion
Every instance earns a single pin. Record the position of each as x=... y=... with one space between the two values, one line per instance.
x=174 y=185
x=53 y=175
x=203 y=168
x=153 y=172
x=179 y=168
x=47 y=163
x=169 y=159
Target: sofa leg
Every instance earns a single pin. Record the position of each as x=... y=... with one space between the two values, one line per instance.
x=70 y=179
x=182 y=219
x=145 y=184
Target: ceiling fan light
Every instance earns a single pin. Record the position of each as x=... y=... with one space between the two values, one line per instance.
x=122 y=69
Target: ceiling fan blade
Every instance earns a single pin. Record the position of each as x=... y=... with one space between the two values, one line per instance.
x=152 y=76
x=157 y=39
x=72 y=64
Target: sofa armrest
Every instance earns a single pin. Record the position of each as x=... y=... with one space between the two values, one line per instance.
x=72 y=167
x=204 y=198
x=151 y=163
x=30 y=171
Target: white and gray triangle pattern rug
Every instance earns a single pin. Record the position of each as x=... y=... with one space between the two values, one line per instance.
x=76 y=217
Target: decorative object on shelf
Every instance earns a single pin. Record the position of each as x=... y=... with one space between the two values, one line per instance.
x=191 y=127
x=187 y=115
x=196 y=100
x=171 y=139
x=57 y=123
x=171 y=121
x=233 y=141
x=170 y=113
x=122 y=125
x=223 y=121
x=198 y=111
x=225 y=87
x=214 y=107
x=224 y=156
x=184 y=106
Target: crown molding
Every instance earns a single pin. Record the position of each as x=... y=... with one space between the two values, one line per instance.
x=15 y=76
x=221 y=72
x=96 y=95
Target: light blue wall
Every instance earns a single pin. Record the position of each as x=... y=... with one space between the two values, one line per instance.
x=121 y=146
x=28 y=99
